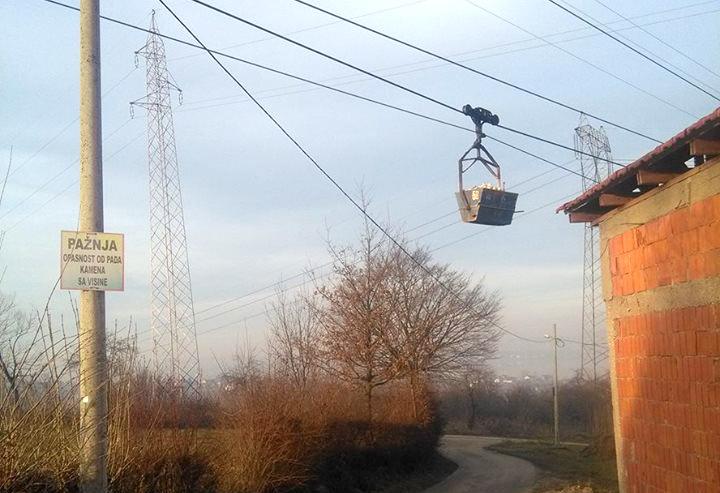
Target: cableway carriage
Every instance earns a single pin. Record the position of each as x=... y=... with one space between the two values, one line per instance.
x=486 y=204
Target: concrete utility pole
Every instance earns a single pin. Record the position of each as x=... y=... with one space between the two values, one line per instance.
x=555 y=389
x=556 y=412
x=93 y=364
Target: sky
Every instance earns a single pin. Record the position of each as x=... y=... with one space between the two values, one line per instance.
x=257 y=212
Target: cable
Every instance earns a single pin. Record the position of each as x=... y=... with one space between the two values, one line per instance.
x=383 y=79
x=7 y=174
x=68 y=187
x=507 y=144
x=557 y=144
x=581 y=59
x=280 y=283
x=57 y=175
x=631 y=48
x=356 y=79
x=260 y=290
x=483 y=230
x=325 y=55
x=311 y=28
x=225 y=312
x=347 y=93
x=659 y=39
x=646 y=50
x=328 y=264
x=332 y=180
x=272 y=285
x=453 y=62
x=416 y=114
x=659 y=57
x=70 y=124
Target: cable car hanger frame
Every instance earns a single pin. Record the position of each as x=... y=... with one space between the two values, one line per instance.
x=485 y=204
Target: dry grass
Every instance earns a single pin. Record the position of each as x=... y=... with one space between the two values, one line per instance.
x=268 y=433
x=267 y=436
x=267 y=439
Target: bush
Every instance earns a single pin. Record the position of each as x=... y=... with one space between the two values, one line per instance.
x=527 y=412
x=274 y=437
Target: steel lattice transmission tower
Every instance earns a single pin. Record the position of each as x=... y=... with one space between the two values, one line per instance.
x=173 y=316
x=594 y=155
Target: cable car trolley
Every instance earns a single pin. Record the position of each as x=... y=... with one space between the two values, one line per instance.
x=488 y=203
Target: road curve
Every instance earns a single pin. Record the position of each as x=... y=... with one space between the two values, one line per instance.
x=482 y=471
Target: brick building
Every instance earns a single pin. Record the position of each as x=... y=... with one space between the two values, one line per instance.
x=659 y=221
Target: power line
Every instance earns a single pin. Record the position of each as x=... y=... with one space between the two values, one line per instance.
x=519 y=149
x=396 y=108
x=68 y=187
x=266 y=311
x=347 y=93
x=292 y=277
x=581 y=59
x=332 y=180
x=67 y=126
x=327 y=264
x=225 y=312
x=644 y=48
x=328 y=56
x=311 y=28
x=631 y=48
x=447 y=60
x=594 y=34
x=383 y=79
x=7 y=173
x=484 y=230
x=355 y=78
x=56 y=176
x=557 y=144
x=382 y=104
x=301 y=274
x=125 y=24
x=260 y=290
x=662 y=41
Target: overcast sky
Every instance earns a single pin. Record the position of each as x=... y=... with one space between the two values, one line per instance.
x=256 y=211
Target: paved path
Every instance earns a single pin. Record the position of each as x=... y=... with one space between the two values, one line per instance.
x=482 y=471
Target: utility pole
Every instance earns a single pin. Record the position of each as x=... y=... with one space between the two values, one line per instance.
x=556 y=411
x=93 y=364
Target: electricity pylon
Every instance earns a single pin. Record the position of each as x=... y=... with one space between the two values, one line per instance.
x=595 y=156
x=175 y=348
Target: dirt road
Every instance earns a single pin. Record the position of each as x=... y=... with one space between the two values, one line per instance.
x=482 y=471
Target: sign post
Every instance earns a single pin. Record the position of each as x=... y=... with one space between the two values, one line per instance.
x=91 y=316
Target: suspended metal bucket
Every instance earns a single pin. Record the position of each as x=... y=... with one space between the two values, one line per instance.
x=487 y=204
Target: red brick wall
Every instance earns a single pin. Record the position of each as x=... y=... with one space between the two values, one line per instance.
x=667 y=362
x=675 y=248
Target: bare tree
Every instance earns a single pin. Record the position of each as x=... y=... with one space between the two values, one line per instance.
x=245 y=370
x=476 y=382
x=394 y=313
x=294 y=338
x=441 y=322
x=14 y=327
x=353 y=314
